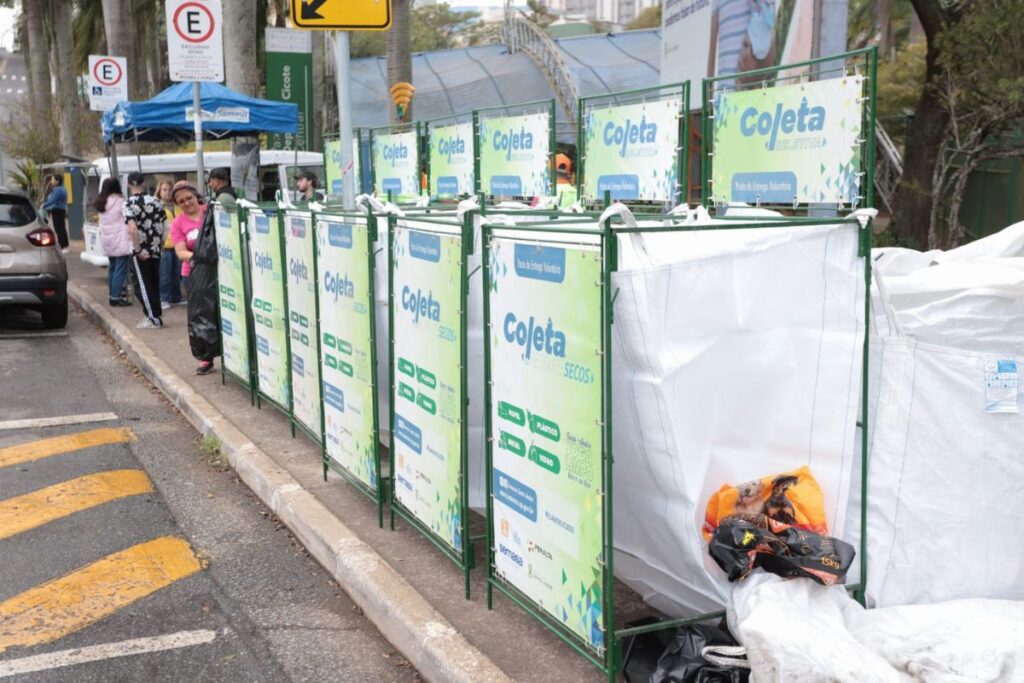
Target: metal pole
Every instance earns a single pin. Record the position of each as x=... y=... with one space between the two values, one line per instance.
x=197 y=120
x=112 y=168
x=343 y=86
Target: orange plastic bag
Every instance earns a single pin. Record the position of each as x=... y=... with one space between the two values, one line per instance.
x=793 y=498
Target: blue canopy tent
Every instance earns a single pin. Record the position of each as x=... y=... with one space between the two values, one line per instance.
x=226 y=113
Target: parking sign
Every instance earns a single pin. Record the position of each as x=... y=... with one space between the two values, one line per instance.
x=108 y=82
x=195 y=50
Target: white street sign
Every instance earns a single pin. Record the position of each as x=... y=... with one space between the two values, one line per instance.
x=195 y=50
x=108 y=82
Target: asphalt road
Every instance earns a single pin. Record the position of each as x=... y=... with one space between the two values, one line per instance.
x=129 y=551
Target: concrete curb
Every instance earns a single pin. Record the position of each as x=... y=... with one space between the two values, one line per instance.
x=407 y=620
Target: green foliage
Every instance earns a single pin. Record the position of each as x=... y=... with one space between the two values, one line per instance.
x=433 y=27
x=863 y=19
x=89 y=32
x=26 y=176
x=539 y=13
x=650 y=17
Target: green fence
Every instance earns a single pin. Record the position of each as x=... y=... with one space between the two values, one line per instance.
x=303 y=329
x=233 y=299
x=633 y=145
x=343 y=266
x=797 y=136
x=450 y=157
x=515 y=147
x=395 y=161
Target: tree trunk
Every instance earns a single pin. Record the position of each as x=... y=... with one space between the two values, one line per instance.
x=319 y=91
x=240 y=41
x=68 y=102
x=38 y=59
x=120 y=33
x=400 y=52
x=911 y=217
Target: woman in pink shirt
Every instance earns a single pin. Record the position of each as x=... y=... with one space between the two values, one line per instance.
x=114 y=239
x=185 y=231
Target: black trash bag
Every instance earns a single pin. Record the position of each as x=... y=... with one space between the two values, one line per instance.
x=203 y=313
x=739 y=545
x=640 y=653
x=682 y=662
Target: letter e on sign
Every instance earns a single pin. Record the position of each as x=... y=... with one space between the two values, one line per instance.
x=195 y=49
x=108 y=84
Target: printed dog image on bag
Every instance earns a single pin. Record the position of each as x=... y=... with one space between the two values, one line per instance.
x=792 y=498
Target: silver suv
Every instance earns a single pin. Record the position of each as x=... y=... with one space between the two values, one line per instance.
x=32 y=270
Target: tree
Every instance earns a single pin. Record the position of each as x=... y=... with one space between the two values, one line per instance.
x=400 y=51
x=911 y=218
x=38 y=60
x=88 y=30
x=981 y=92
x=649 y=17
x=61 y=63
x=433 y=27
x=240 y=39
x=120 y=33
x=538 y=14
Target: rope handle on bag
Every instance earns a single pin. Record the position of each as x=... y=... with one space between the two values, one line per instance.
x=726 y=655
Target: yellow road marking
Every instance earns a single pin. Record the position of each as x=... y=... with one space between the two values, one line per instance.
x=44 y=448
x=57 y=608
x=60 y=500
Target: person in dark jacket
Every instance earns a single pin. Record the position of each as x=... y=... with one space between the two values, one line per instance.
x=56 y=207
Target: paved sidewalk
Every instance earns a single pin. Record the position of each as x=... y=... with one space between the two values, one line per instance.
x=411 y=592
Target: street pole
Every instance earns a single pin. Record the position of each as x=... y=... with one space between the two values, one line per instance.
x=343 y=86
x=197 y=121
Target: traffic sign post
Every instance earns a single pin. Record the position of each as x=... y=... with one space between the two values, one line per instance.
x=108 y=82
x=195 y=52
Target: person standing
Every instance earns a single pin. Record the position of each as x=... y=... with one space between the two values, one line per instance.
x=565 y=190
x=305 y=183
x=185 y=232
x=144 y=215
x=56 y=207
x=223 y=193
x=170 y=266
x=114 y=239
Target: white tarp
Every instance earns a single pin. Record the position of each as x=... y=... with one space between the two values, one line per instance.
x=736 y=354
x=945 y=473
x=797 y=631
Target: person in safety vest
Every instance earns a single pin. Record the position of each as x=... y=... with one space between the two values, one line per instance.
x=565 y=191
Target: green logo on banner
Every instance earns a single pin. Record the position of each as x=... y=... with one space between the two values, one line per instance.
x=512 y=413
x=545 y=427
x=548 y=461
x=304 y=338
x=295 y=317
x=345 y=347
x=512 y=444
x=426 y=378
x=346 y=368
x=406 y=392
x=304 y=321
x=406 y=368
x=331 y=362
x=330 y=341
x=427 y=403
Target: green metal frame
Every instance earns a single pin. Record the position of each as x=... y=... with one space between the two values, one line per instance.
x=376 y=495
x=868 y=61
x=248 y=383
x=357 y=136
x=466 y=559
x=478 y=144
x=413 y=126
x=297 y=424
x=261 y=397
x=669 y=91
x=610 y=659
x=428 y=126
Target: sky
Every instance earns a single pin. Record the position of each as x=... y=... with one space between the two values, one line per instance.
x=7 y=28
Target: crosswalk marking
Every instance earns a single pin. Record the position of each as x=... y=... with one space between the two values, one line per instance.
x=60 y=500
x=62 y=606
x=60 y=421
x=96 y=653
x=44 y=448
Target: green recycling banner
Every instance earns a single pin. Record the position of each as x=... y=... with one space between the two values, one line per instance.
x=268 y=312
x=234 y=324
x=633 y=150
x=332 y=166
x=289 y=78
x=791 y=143
x=347 y=345
x=396 y=164
x=427 y=273
x=451 y=160
x=302 y=327
x=515 y=155
x=546 y=327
